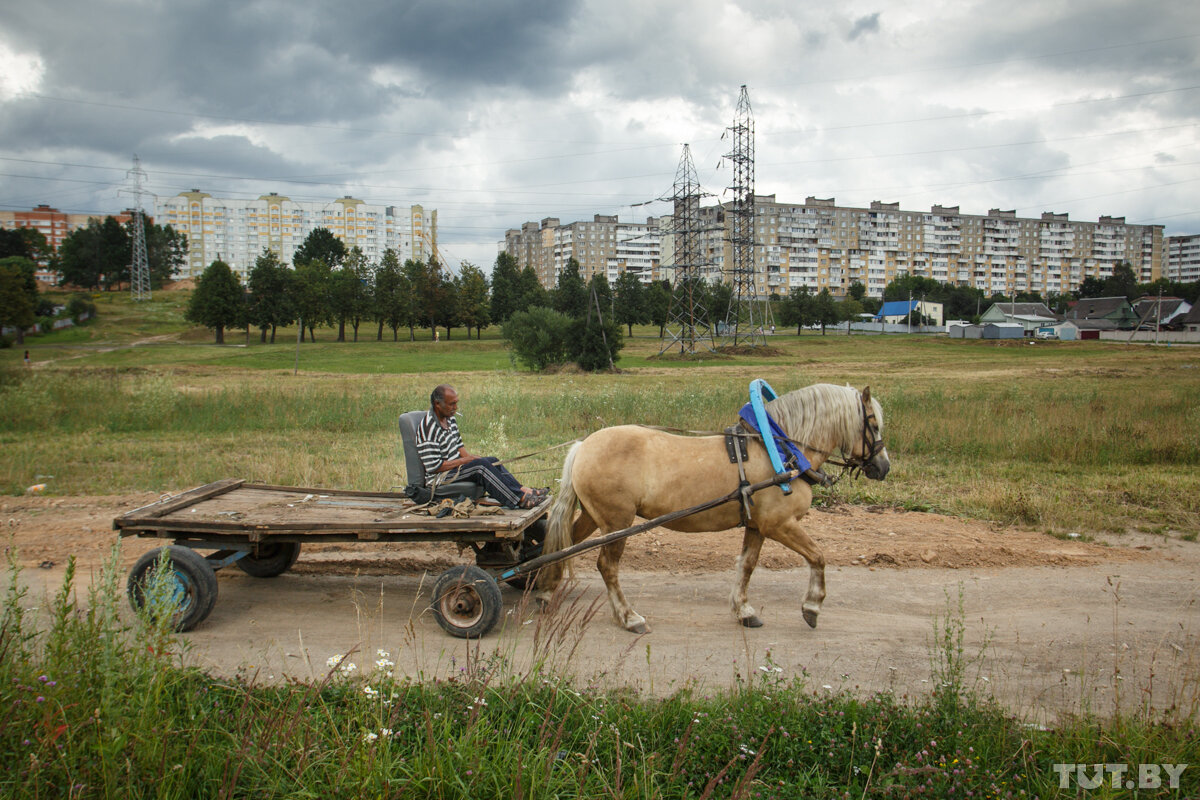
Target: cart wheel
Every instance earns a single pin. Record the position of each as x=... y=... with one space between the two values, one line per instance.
x=194 y=587
x=272 y=559
x=531 y=547
x=466 y=601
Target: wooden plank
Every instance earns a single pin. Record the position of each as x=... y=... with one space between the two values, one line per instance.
x=191 y=497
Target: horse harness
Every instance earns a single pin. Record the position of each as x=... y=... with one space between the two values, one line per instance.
x=737 y=448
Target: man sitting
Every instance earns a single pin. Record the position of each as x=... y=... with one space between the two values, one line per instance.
x=441 y=450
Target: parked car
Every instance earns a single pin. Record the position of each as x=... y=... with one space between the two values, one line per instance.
x=1046 y=333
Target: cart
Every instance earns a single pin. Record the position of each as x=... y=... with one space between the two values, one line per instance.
x=260 y=529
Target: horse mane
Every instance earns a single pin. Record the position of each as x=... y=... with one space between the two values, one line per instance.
x=823 y=415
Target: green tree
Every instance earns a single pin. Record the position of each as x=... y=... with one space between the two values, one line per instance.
x=474 y=304
x=385 y=298
x=310 y=295
x=570 y=292
x=506 y=288
x=320 y=245
x=217 y=302
x=856 y=291
x=1091 y=287
x=718 y=298
x=825 y=311
x=166 y=252
x=631 y=301
x=25 y=242
x=849 y=311
x=434 y=296
x=17 y=301
x=658 y=305
x=269 y=303
x=595 y=342
x=537 y=337
x=531 y=293
x=96 y=256
x=1122 y=282
x=798 y=309
x=350 y=292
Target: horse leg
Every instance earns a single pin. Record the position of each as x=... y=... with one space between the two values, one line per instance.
x=623 y=613
x=793 y=537
x=551 y=574
x=752 y=542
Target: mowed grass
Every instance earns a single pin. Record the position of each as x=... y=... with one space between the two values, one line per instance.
x=1084 y=436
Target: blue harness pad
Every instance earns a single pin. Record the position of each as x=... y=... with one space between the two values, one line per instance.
x=756 y=417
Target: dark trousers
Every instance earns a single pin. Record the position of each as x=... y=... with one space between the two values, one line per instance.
x=497 y=481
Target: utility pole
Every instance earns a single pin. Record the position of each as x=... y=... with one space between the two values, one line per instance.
x=139 y=270
x=745 y=324
x=686 y=321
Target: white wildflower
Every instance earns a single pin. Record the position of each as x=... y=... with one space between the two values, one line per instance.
x=370 y=736
x=369 y=692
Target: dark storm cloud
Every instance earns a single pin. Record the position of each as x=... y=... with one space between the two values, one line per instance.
x=863 y=25
x=457 y=44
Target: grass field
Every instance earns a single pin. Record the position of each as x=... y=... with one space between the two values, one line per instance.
x=1079 y=436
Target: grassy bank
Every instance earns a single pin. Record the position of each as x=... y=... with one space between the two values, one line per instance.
x=100 y=707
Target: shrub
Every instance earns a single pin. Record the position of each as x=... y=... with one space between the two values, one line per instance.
x=538 y=337
x=595 y=345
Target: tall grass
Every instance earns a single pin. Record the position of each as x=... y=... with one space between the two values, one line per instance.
x=1053 y=439
x=101 y=705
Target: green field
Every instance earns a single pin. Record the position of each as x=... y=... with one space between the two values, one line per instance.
x=1061 y=436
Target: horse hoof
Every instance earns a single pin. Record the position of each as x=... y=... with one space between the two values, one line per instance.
x=752 y=621
x=639 y=628
x=810 y=617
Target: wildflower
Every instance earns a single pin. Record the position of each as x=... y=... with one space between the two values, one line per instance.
x=383 y=654
x=370 y=736
x=348 y=667
x=386 y=732
x=383 y=663
x=333 y=661
x=369 y=692
x=41 y=699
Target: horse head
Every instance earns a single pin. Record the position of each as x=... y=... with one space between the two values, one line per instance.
x=869 y=452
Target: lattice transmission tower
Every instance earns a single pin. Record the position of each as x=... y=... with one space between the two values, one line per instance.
x=139 y=270
x=687 y=323
x=748 y=317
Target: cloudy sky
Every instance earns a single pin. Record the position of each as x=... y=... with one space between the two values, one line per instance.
x=496 y=113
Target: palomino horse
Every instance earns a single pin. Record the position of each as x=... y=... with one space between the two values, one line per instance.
x=619 y=472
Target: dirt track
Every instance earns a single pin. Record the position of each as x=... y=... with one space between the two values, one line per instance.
x=1067 y=623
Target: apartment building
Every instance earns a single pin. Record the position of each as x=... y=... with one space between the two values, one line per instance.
x=237 y=231
x=606 y=245
x=820 y=244
x=1183 y=258
x=54 y=225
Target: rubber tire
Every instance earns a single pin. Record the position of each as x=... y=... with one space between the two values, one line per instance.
x=535 y=536
x=273 y=559
x=466 y=602
x=196 y=578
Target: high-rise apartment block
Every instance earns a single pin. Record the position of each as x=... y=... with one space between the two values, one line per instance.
x=237 y=231
x=823 y=245
x=820 y=244
x=1183 y=258
x=605 y=245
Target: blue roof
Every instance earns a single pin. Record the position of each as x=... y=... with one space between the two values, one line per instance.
x=896 y=308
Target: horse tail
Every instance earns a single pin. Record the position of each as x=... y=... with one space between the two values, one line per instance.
x=562 y=515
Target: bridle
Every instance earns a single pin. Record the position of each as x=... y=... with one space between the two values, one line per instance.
x=853 y=465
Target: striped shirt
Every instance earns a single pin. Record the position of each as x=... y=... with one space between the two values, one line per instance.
x=436 y=444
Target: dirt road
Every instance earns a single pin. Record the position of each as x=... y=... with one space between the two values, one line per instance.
x=1050 y=625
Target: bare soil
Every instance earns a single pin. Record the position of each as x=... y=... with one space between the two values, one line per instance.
x=1051 y=625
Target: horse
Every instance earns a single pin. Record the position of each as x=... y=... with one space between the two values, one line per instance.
x=624 y=471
